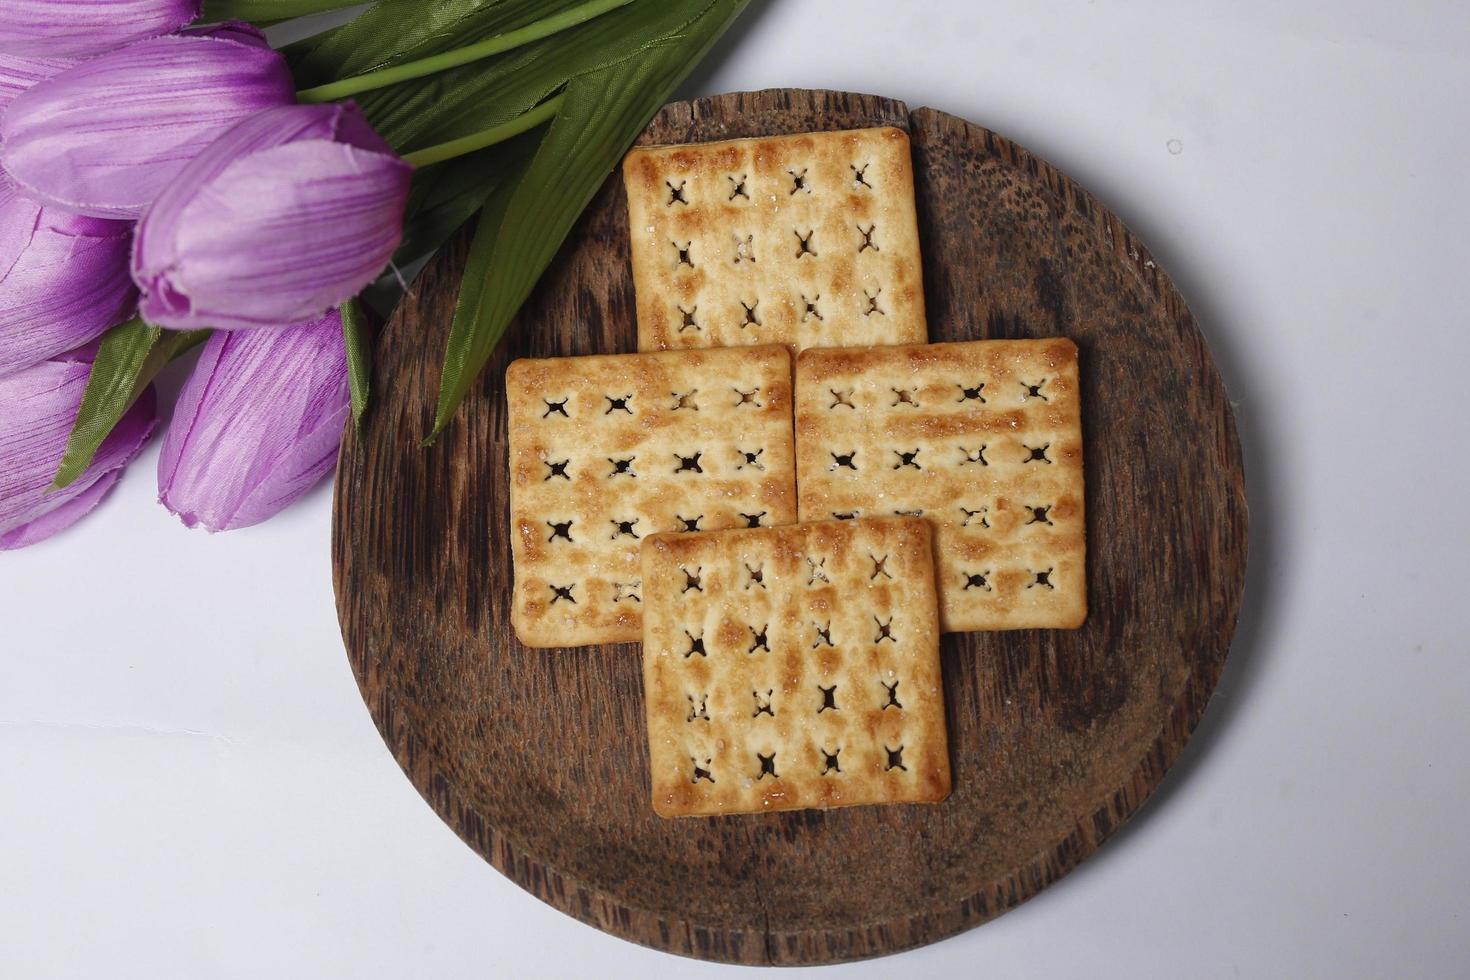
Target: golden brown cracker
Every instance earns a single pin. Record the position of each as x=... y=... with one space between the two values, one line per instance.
x=984 y=439
x=609 y=449
x=808 y=240
x=793 y=667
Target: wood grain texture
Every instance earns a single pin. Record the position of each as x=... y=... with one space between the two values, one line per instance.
x=538 y=760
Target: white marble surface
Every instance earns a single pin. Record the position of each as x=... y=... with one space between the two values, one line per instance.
x=191 y=786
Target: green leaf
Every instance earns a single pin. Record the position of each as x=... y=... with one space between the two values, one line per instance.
x=524 y=223
x=466 y=100
x=443 y=197
x=129 y=357
x=261 y=11
x=357 y=335
x=464 y=54
x=396 y=31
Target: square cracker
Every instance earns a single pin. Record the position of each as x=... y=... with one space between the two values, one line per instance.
x=984 y=439
x=626 y=445
x=793 y=667
x=808 y=240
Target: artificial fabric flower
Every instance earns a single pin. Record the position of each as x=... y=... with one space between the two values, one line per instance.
x=257 y=424
x=286 y=216
x=37 y=408
x=63 y=279
x=19 y=74
x=106 y=135
x=80 y=28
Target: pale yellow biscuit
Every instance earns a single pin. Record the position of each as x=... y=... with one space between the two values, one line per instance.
x=808 y=240
x=793 y=667
x=984 y=439
x=609 y=449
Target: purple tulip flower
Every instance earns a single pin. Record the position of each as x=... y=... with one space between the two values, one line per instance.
x=63 y=279
x=80 y=28
x=257 y=424
x=37 y=409
x=105 y=136
x=284 y=217
x=19 y=74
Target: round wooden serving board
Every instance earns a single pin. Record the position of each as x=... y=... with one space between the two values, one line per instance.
x=539 y=760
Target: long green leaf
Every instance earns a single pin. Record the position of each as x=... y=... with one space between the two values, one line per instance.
x=262 y=11
x=129 y=357
x=442 y=199
x=464 y=54
x=447 y=195
x=357 y=336
x=520 y=231
x=466 y=100
x=395 y=31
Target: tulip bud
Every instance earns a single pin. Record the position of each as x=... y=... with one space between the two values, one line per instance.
x=287 y=215
x=106 y=135
x=39 y=406
x=257 y=424
x=81 y=28
x=63 y=279
x=19 y=74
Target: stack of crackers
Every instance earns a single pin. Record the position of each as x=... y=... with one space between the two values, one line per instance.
x=789 y=544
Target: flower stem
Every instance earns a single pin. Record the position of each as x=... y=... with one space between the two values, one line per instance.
x=460 y=56
x=486 y=137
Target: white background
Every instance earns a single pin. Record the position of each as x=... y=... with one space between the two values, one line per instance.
x=191 y=786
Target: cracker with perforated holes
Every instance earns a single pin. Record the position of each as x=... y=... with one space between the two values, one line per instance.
x=793 y=667
x=984 y=439
x=808 y=240
x=608 y=449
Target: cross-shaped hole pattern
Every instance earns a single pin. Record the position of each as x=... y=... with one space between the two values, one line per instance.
x=744 y=249
x=982 y=438
x=786 y=689
x=818 y=230
x=890 y=699
x=698 y=708
x=748 y=458
x=610 y=449
x=687 y=320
